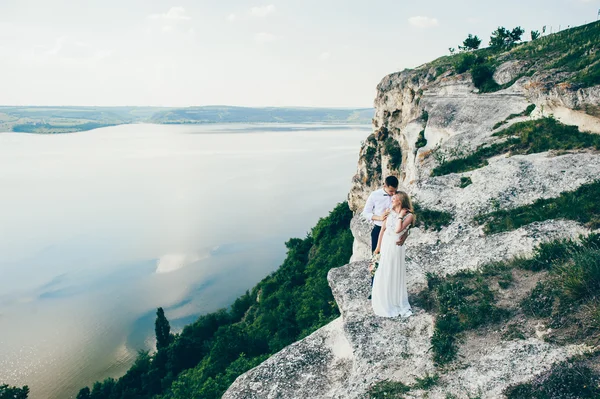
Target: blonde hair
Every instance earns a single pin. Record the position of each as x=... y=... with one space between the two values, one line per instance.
x=407 y=204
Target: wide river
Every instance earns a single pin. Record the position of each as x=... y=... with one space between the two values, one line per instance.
x=99 y=228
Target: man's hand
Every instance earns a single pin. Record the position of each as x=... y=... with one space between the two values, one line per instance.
x=402 y=238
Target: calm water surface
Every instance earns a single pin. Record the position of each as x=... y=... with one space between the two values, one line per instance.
x=99 y=228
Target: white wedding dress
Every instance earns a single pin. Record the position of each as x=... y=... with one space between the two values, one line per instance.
x=389 y=297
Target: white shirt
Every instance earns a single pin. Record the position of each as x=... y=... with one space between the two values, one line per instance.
x=377 y=203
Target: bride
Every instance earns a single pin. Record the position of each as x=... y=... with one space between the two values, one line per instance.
x=389 y=297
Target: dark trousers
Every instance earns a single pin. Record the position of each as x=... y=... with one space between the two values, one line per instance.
x=374 y=239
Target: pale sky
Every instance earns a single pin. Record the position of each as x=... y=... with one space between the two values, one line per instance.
x=240 y=52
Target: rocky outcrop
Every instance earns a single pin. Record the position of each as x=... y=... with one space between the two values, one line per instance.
x=455 y=120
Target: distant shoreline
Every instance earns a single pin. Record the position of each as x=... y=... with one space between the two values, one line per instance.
x=59 y=120
x=72 y=129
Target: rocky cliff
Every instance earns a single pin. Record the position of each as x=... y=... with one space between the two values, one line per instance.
x=426 y=118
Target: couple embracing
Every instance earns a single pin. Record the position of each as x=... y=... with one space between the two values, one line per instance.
x=392 y=213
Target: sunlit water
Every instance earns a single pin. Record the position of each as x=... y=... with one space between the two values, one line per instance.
x=99 y=228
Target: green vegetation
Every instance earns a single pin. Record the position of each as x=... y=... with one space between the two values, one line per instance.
x=395 y=389
x=463 y=301
x=73 y=119
x=46 y=127
x=465 y=61
x=8 y=392
x=581 y=205
x=575 y=51
x=372 y=162
x=504 y=38
x=569 y=296
x=162 y=330
x=465 y=181
x=430 y=219
x=523 y=138
x=206 y=357
x=426 y=382
x=527 y=112
x=388 y=389
x=483 y=78
x=421 y=140
x=392 y=148
x=470 y=43
x=227 y=114
x=564 y=380
x=513 y=331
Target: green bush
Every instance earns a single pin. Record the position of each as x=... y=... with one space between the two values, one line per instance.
x=483 y=77
x=498 y=124
x=465 y=181
x=421 y=140
x=370 y=155
x=580 y=277
x=431 y=219
x=464 y=62
x=8 y=392
x=392 y=148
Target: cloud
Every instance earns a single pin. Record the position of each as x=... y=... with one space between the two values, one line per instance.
x=174 y=14
x=231 y=17
x=264 y=37
x=262 y=11
x=325 y=55
x=423 y=22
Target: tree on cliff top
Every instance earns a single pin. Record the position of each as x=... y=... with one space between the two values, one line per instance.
x=470 y=43
x=502 y=37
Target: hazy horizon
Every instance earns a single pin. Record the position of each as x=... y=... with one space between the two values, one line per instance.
x=171 y=106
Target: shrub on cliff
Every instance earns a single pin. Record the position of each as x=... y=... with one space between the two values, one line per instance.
x=8 y=392
x=393 y=150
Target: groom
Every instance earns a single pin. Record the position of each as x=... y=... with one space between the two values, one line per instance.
x=378 y=205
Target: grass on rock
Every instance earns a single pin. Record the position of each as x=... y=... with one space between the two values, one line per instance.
x=581 y=205
x=528 y=137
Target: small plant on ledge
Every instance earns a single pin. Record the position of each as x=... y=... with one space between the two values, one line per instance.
x=465 y=181
x=421 y=141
